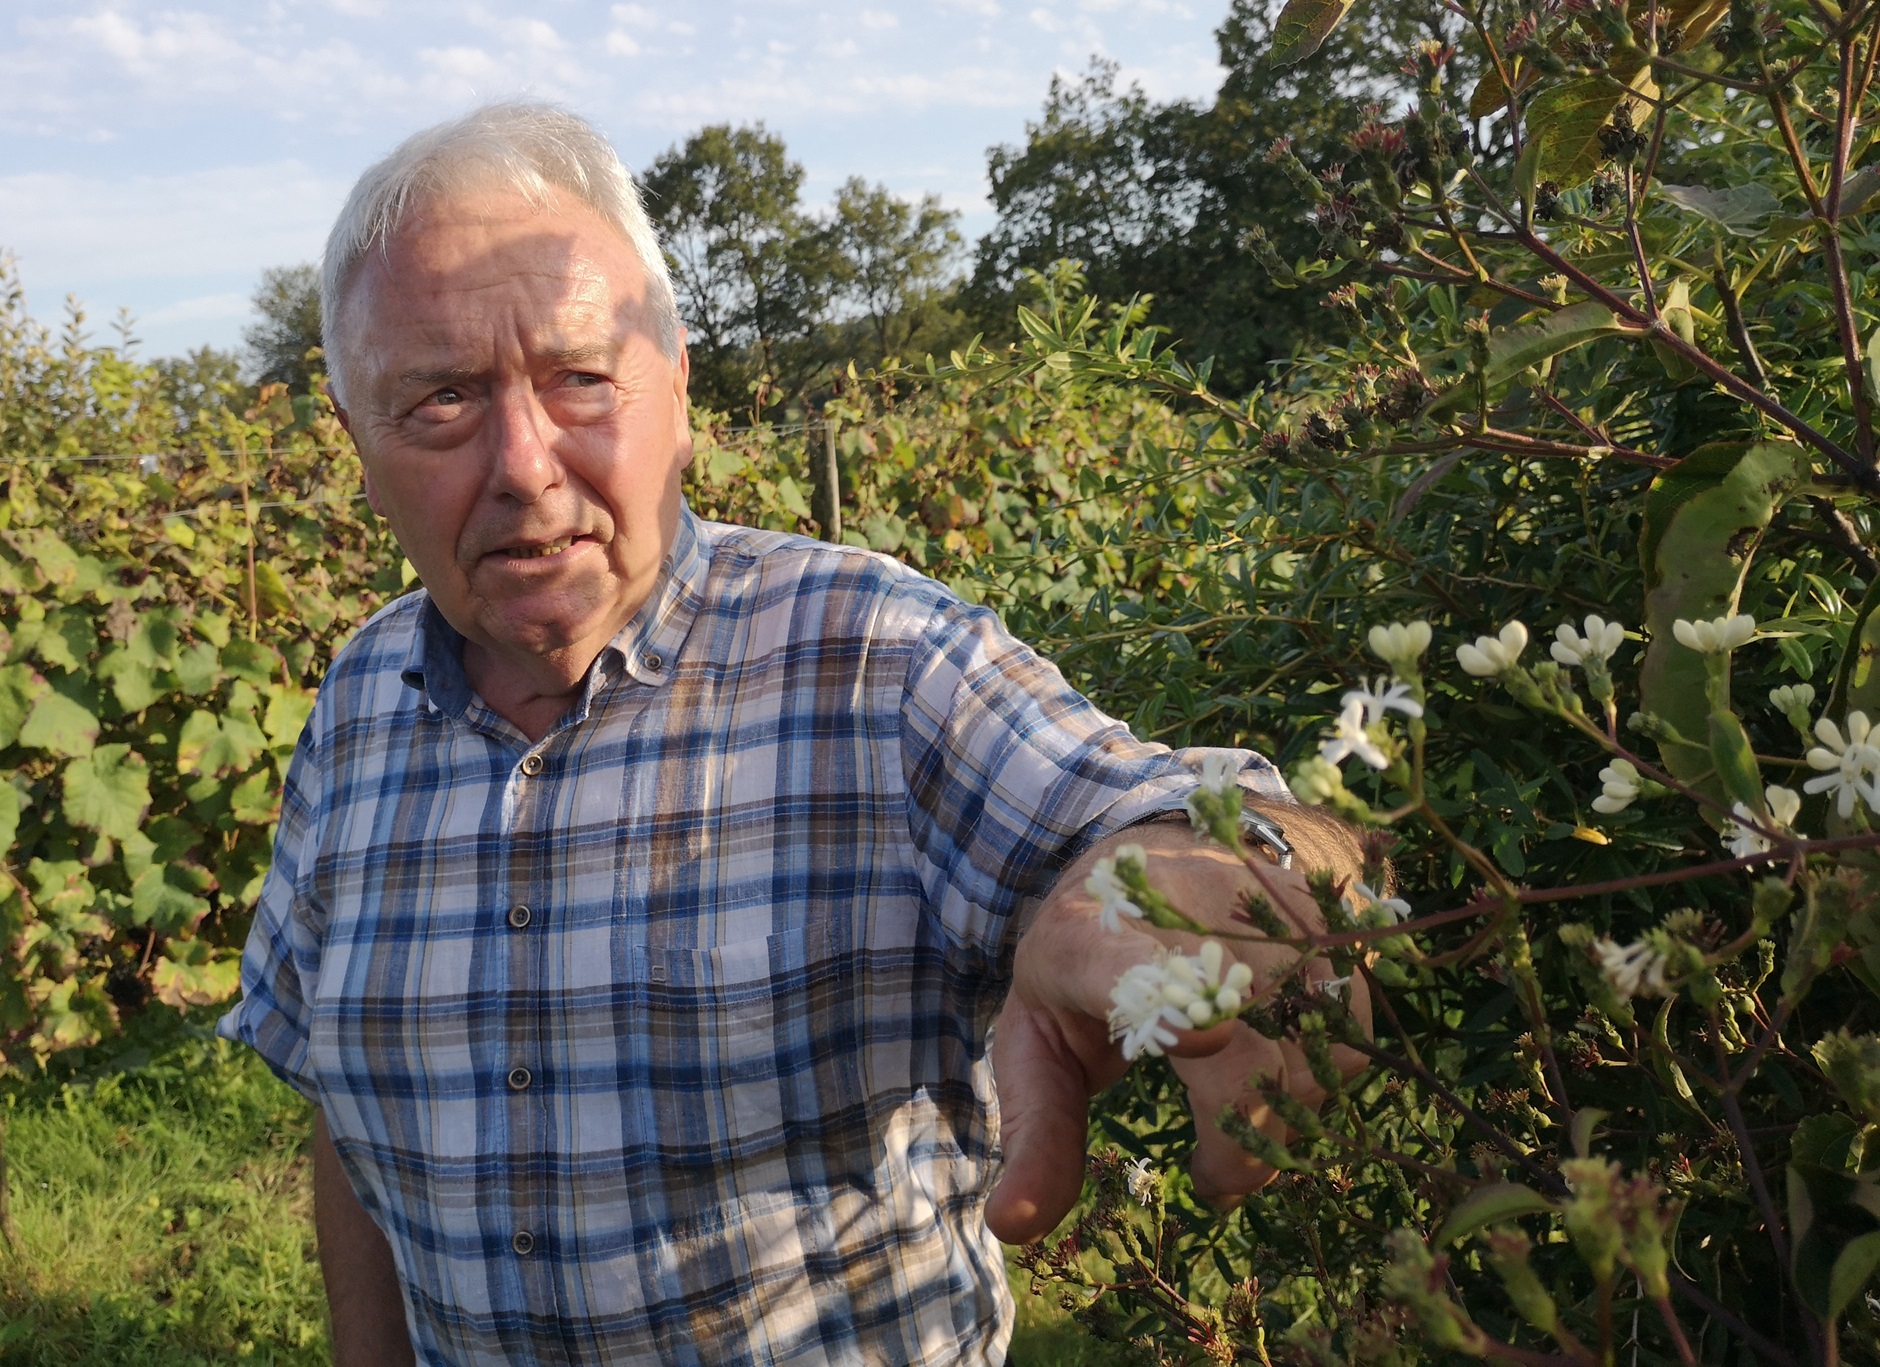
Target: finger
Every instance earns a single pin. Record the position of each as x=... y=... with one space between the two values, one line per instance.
x=1044 y=1102
x=1223 y=1171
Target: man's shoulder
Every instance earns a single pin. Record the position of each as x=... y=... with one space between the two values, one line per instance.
x=764 y=571
x=368 y=672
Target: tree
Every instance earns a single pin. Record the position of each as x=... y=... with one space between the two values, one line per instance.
x=893 y=265
x=206 y=379
x=288 y=301
x=753 y=275
x=1165 y=199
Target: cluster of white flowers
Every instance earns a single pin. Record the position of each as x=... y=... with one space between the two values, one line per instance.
x=1360 y=709
x=1746 y=837
x=1114 y=903
x=1490 y=655
x=1716 y=636
x=1619 y=787
x=1634 y=970
x=1600 y=643
x=1850 y=763
x=1151 y=1001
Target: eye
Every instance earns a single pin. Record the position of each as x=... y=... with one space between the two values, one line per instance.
x=447 y=397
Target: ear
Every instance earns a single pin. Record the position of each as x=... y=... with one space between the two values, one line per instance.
x=682 y=419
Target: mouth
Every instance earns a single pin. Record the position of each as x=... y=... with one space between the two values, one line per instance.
x=539 y=550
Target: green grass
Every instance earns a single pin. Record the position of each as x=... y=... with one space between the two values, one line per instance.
x=162 y=1212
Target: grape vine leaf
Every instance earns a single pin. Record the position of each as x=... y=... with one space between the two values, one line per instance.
x=108 y=791
x=59 y=726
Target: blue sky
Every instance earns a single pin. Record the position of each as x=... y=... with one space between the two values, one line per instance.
x=160 y=153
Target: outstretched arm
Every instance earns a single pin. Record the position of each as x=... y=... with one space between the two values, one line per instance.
x=1052 y=1050
x=362 y=1296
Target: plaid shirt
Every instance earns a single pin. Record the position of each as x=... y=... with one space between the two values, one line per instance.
x=663 y=1038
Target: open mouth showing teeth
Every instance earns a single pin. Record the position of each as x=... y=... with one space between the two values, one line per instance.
x=537 y=552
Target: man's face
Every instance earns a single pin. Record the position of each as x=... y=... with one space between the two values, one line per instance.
x=520 y=428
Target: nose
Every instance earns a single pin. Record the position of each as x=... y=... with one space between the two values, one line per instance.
x=522 y=460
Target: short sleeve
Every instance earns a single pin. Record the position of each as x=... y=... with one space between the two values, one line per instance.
x=1011 y=773
x=281 y=961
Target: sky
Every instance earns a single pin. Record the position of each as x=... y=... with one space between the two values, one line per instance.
x=159 y=154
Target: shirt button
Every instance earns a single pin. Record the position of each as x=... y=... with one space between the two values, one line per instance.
x=519 y=916
x=654 y=662
x=523 y=1243
x=519 y=1079
x=531 y=764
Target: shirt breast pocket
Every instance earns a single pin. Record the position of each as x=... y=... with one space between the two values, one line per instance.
x=726 y=1031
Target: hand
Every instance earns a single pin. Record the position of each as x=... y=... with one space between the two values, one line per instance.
x=1052 y=1050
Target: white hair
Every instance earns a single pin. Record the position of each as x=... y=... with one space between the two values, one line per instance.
x=530 y=147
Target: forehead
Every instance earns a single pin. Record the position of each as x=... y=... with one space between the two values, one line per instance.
x=464 y=267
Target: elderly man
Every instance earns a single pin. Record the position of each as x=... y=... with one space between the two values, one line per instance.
x=645 y=889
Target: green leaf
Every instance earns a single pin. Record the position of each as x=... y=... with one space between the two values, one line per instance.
x=166 y=897
x=1703 y=521
x=286 y=716
x=67 y=641
x=1495 y=1204
x=1837 y=1237
x=1739 y=209
x=1302 y=26
x=1563 y=124
x=10 y=808
x=1735 y=761
x=153 y=643
x=193 y=974
x=108 y=791
x=20 y=687
x=256 y=800
x=59 y=726
x=212 y=747
x=252 y=661
x=199 y=669
x=792 y=497
x=133 y=683
x=272 y=596
x=1826 y=1140
x=1517 y=349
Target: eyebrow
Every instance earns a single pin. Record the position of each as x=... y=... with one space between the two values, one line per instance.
x=564 y=356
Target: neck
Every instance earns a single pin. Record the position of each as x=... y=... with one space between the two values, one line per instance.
x=530 y=695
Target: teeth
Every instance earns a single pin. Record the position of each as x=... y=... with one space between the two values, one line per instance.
x=551 y=548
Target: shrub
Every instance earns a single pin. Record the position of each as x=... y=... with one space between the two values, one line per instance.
x=1611 y=355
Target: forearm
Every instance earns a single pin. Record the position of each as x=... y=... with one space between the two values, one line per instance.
x=362 y=1295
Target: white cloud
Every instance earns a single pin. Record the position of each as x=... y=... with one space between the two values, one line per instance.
x=878 y=19
x=219 y=307
x=841 y=51
x=109 y=229
x=621 y=43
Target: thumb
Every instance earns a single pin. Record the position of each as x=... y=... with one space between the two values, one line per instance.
x=1044 y=1104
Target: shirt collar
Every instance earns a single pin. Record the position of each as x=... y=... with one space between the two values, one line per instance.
x=647 y=648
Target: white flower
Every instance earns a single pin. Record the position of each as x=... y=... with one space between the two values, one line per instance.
x=1792 y=698
x=1716 y=635
x=1384 y=696
x=1220 y=772
x=1141 y=1181
x=1349 y=738
x=1851 y=763
x=1746 y=837
x=1334 y=987
x=1492 y=654
x=1151 y=1001
x=1634 y=970
x=1398 y=644
x=1316 y=781
x=1395 y=909
x=1601 y=641
x=1620 y=786
x=1112 y=894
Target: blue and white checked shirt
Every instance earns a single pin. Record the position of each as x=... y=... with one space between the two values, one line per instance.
x=662 y=1039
